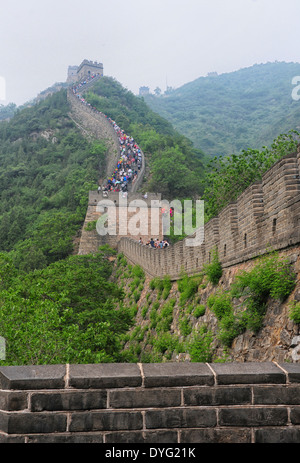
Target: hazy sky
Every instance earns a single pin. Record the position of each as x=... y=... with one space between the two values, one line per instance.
x=140 y=42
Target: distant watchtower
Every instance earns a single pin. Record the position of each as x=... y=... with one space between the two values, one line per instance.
x=72 y=73
x=88 y=69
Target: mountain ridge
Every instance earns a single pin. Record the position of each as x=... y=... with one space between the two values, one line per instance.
x=227 y=113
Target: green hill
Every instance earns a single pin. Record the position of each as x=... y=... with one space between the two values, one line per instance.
x=174 y=166
x=224 y=114
x=56 y=306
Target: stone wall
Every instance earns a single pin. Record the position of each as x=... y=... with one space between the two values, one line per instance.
x=265 y=217
x=150 y=403
x=98 y=126
x=88 y=68
x=91 y=240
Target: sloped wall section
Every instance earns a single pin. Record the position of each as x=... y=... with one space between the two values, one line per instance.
x=265 y=217
x=98 y=126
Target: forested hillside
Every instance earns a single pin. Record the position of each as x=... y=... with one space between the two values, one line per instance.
x=56 y=306
x=174 y=167
x=226 y=113
x=59 y=307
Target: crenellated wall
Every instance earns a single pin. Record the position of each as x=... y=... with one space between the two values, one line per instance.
x=151 y=403
x=265 y=217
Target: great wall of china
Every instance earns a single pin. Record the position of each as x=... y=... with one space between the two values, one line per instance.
x=265 y=217
x=251 y=402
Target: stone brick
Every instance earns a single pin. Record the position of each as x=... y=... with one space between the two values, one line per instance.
x=248 y=373
x=126 y=437
x=32 y=377
x=13 y=401
x=181 y=418
x=68 y=438
x=293 y=371
x=73 y=400
x=105 y=421
x=23 y=423
x=105 y=376
x=179 y=374
x=142 y=437
x=245 y=417
x=7 y=439
x=217 y=396
x=276 y=395
x=145 y=398
x=286 y=435
x=295 y=415
x=215 y=436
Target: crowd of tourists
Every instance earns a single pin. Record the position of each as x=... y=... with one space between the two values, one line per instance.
x=156 y=244
x=130 y=156
x=128 y=166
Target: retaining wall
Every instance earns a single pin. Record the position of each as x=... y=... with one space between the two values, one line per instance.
x=150 y=403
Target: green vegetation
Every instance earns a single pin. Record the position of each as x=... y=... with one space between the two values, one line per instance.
x=295 y=311
x=234 y=111
x=227 y=177
x=213 y=270
x=271 y=277
x=65 y=313
x=188 y=287
x=175 y=166
x=8 y=111
x=56 y=307
x=200 y=346
x=46 y=171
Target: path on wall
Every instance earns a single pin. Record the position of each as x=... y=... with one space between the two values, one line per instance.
x=126 y=162
x=266 y=216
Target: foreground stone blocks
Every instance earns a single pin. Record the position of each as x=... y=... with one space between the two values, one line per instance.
x=150 y=403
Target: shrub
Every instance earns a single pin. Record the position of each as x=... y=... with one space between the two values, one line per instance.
x=136 y=295
x=213 y=270
x=144 y=311
x=230 y=327
x=166 y=316
x=167 y=285
x=199 y=311
x=166 y=341
x=271 y=277
x=154 y=283
x=200 y=346
x=138 y=272
x=188 y=287
x=185 y=326
x=295 y=311
x=220 y=304
x=90 y=226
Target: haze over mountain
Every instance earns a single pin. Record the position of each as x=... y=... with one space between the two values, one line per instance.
x=224 y=114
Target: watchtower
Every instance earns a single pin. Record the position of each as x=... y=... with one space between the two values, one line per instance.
x=72 y=73
x=89 y=68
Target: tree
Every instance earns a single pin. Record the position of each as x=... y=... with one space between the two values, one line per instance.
x=69 y=312
x=227 y=177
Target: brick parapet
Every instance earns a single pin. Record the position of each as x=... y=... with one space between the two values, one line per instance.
x=265 y=217
x=158 y=403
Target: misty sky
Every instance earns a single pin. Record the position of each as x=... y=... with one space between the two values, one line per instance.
x=140 y=42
